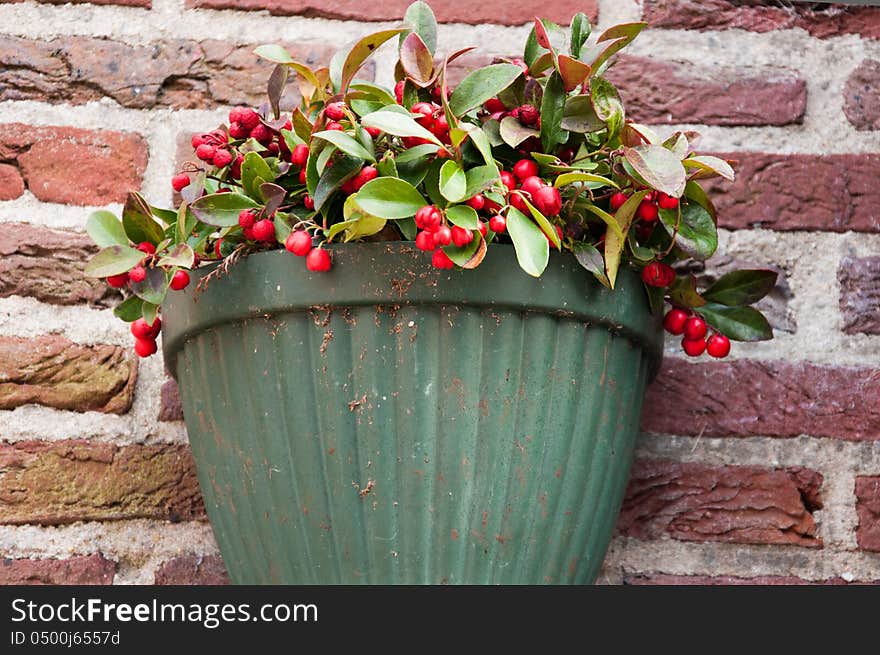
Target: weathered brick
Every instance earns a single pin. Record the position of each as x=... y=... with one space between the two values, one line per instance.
x=772 y=398
x=800 y=192
x=81 y=570
x=509 y=12
x=859 y=279
x=51 y=483
x=172 y=73
x=170 y=408
x=821 y=20
x=11 y=182
x=861 y=96
x=75 y=166
x=48 y=265
x=868 y=509
x=667 y=579
x=54 y=371
x=738 y=504
x=193 y=570
x=665 y=92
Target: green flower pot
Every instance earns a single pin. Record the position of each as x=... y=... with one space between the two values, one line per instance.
x=390 y=423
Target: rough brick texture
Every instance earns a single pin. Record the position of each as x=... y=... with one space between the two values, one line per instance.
x=57 y=372
x=509 y=12
x=62 y=482
x=11 y=182
x=800 y=192
x=861 y=96
x=193 y=570
x=82 y=570
x=745 y=398
x=48 y=265
x=170 y=408
x=859 y=279
x=727 y=580
x=74 y=166
x=740 y=504
x=868 y=509
x=820 y=20
x=664 y=92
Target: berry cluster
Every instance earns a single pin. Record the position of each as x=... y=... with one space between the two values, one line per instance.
x=145 y=336
x=696 y=339
x=138 y=273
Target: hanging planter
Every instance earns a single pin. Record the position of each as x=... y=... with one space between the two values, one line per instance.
x=384 y=413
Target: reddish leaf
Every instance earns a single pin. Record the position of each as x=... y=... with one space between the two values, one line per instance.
x=416 y=59
x=573 y=72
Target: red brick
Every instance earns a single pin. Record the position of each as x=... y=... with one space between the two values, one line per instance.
x=51 y=483
x=193 y=570
x=665 y=92
x=834 y=193
x=861 y=96
x=667 y=579
x=82 y=570
x=737 y=504
x=509 y=12
x=75 y=166
x=868 y=509
x=11 y=182
x=170 y=408
x=820 y=20
x=59 y=373
x=122 y=3
x=859 y=279
x=772 y=398
x=48 y=265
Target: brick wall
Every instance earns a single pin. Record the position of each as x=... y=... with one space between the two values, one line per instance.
x=764 y=468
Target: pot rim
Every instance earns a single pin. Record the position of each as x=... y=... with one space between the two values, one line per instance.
x=397 y=273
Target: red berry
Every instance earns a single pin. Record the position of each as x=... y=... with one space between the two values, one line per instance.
x=693 y=347
x=180 y=182
x=443 y=153
x=718 y=346
x=529 y=115
x=335 y=111
x=508 y=180
x=246 y=218
x=667 y=202
x=674 y=321
x=413 y=141
x=441 y=260
x=498 y=224
x=264 y=230
x=516 y=200
x=567 y=154
x=145 y=347
x=118 y=281
x=262 y=134
x=658 y=274
x=180 y=280
x=494 y=105
x=426 y=109
x=461 y=237
x=222 y=158
x=308 y=203
x=140 y=329
x=441 y=126
x=477 y=202
x=318 y=260
x=483 y=228
x=137 y=274
x=525 y=168
x=648 y=211
x=547 y=200
x=248 y=233
x=425 y=241
x=333 y=126
x=618 y=200
x=273 y=148
x=695 y=328
x=238 y=131
x=197 y=140
x=302 y=176
x=348 y=187
x=300 y=155
x=299 y=243
x=248 y=118
x=367 y=173
x=442 y=236
x=398 y=91
x=147 y=247
x=235 y=169
x=373 y=131
x=428 y=217
x=531 y=185
x=205 y=152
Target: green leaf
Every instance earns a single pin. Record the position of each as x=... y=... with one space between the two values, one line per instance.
x=130 y=309
x=360 y=52
x=711 y=165
x=610 y=220
x=347 y=144
x=580 y=116
x=365 y=98
x=580 y=32
x=254 y=171
x=545 y=225
x=552 y=110
x=693 y=191
x=683 y=292
x=301 y=125
x=480 y=178
x=468 y=256
x=531 y=246
x=738 y=323
x=480 y=85
x=421 y=18
x=591 y=259
x=432 y=183
x=397 y=124
x=343 y=169
x=513 y=132
x=277 y=54
x=739 y=288
x=607 y=104
x=677 y=143
x=113 y=260
x=416 y=59
x=615 y=240
x=221 y=209
x=149 y=312
x=387 y=197
x=463 y=216
x=407 y=228
x=659 y=167
x=422 y=151
x=481 y=140
x=179 y=255
x=570 y=178
x=453 y=182
x=105 y=229
x=697 y=235
x=153 y=288
x=555 y=37
x=137 y=221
